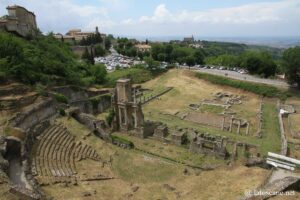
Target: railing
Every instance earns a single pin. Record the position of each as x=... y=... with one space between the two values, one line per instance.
x=280 y=161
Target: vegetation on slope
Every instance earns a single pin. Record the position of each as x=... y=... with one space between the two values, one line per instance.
x=45 y=60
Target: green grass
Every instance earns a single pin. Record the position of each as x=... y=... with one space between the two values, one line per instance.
x=137 y=75
x=178 y=154
x=270 y=129
x=61 y=98
x=260 y=89
x=211 y=109
x=122 y=140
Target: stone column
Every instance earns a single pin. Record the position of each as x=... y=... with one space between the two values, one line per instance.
x=126 y=118
x=120 y=117
x=231 y=123
x=135 y=119
x=223 y=123
x=239 y=126
x=247 y=129
x=134 y=96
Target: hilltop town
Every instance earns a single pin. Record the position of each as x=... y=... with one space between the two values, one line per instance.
x=88 y=115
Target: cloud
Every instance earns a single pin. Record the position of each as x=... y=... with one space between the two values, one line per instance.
x=263 y=18
x=62 y=15
x=251 y=13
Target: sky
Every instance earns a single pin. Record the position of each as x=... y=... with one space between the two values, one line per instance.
x=215 y=18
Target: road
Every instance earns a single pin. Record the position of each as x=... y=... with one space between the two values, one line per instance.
x=245 y=77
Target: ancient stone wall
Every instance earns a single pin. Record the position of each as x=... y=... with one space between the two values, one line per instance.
x=284 y=144
x=208 y=144
x=87 y=100
x=93 y=105
x=93 y=124
x=34 y=115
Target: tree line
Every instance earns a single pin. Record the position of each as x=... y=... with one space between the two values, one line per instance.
x=47 y=60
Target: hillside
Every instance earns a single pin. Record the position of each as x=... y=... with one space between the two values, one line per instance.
x=43 y=59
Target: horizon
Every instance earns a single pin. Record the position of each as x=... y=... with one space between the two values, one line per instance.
x=243 y=19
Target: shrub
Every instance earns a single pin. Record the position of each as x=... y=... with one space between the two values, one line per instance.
x=61 y=98
x=40 y=89
x=109 y=118
x=62 y=112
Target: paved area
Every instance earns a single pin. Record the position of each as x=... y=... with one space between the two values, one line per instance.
x=281 y=173
x=245 y=77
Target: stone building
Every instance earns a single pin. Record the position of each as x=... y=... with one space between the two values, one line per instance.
x=179 y=137
x=143 y=47
x=19 y=20
x=161 y=131
x=128 y=113
x=208 y=144
x=189 y=39
x=78 y=35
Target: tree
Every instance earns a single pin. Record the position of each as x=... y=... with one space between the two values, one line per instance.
x=258 y=63
x=152 y=65
x=87 y=56
x=91 y=58
x=291 y=60
x=168 y=51
x=190 y=61
x=107 y=43
x=99 y=50
x=161 y=57
x=43 y=59
x=199 y=56
x=99 y=72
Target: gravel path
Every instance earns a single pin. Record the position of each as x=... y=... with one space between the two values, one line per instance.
x=245 y=77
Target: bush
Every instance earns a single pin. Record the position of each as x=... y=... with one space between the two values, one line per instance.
x=62 y=112
x=260 y=89
x=61 y=98
x=2 y=77
x=109 y=118
x=41 y=89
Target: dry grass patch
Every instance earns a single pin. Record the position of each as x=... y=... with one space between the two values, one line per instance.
x=189 y=89
x=295 y=123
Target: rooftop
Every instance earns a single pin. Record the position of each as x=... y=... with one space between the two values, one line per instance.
x=17 y=6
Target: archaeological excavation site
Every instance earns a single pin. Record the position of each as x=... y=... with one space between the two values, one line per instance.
x=108 y=100
x=173 y=137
